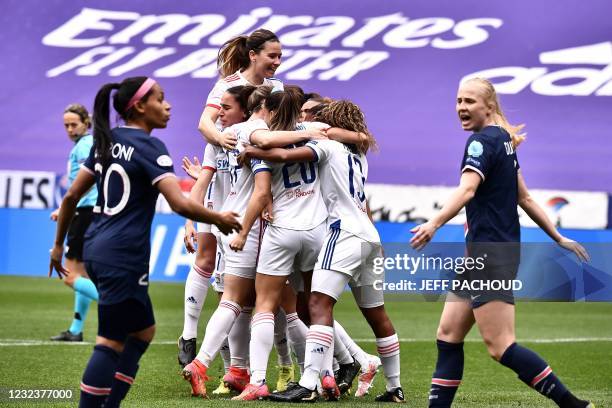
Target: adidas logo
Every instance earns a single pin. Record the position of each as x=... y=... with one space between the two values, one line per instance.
x=191 y=299
x=400 y=393
x=318 y=350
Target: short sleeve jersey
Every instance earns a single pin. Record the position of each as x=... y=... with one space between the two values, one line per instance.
x=215 y=159
x=296 y=192
x=120 y=232
x=344 y=172
x=242 y=180
x=78 y=155
x=492 y=214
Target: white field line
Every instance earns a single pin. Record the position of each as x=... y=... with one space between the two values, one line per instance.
x=30 y=342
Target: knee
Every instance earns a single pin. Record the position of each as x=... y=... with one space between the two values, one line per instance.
x=205 y=263
x=497 y=345
x=320 y=306
x=70 y=278
x=448 y=333
x=147 y=334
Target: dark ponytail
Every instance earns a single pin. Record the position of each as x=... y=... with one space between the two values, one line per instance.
x=102 y=130
x=241 y=94
x=234 y=54
x=286 y=106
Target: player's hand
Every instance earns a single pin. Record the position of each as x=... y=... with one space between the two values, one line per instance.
x=194 y=169
x=266 y=213
x=245 y=155
x=191 y=237
x=422 y=235
x=575 y=247
x=317 y=134
x=228 y=222
x=228 y=140
x=238 y=242
x=54 y=215
x=56 y=254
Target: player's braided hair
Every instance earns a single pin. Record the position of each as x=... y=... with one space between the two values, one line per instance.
x=346 y=115
x=102 y=130
x=490 y=96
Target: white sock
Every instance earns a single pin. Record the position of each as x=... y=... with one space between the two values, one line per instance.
x=196 y=288
x=319 y=341
x=262 y=337
x=239 y=339
x=226 y=355
x=217 y=330
x=389 y=352
x=357 y=352
x=280 y=338
x=297 y=331
x=341 y=353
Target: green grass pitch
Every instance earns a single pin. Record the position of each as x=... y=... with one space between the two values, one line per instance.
x=32 y=309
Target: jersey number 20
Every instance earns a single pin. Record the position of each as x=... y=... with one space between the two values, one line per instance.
x=308 y=175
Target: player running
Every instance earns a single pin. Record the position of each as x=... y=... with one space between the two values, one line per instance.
x=490 y=188
x=130 y=168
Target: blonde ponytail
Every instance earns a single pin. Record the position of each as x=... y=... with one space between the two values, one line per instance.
x=499 y=118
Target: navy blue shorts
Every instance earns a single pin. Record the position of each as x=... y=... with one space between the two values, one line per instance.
x=116 y=284
x=118 y=320
x=492 y=283
x=76 y=232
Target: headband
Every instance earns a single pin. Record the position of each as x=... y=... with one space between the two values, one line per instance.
x=142 y=91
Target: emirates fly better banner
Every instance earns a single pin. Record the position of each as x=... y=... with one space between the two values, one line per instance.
x=400 y=61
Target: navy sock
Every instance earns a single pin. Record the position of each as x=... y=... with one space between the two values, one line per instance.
x=126 y=370
x=98 y=377
x=534 y=371
x=448 y=374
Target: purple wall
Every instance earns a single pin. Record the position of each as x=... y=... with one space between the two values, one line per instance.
x=408 y=93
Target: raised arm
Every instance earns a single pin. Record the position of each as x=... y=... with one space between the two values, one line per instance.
x=83 y=182
x=537 y=214
x=469 y=182
x=261 y=196
x=209 y=130
x=267 y=139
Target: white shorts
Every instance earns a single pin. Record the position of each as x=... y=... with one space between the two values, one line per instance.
x=346 y=258
x=284 y=251
x=241 y=263
x=217 y=283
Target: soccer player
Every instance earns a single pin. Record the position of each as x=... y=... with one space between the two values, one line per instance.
x=491 y=187
x=77 y=125
x=212 y=193
x=130 y=168
x=243 y=60
x=346 y=256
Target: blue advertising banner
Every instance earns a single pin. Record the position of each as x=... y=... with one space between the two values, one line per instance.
x=546 y=272
x=400 y=61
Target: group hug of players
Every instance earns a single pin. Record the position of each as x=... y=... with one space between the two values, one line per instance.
x=283 y=227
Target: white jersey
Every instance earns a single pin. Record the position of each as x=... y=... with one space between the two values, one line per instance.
x=296 y=192
x=242 y=181
x=215 y=159
x=236 y=79
x=343 y=174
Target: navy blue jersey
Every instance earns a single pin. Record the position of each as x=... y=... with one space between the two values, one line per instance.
x=120 y=232
x=492 y=214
